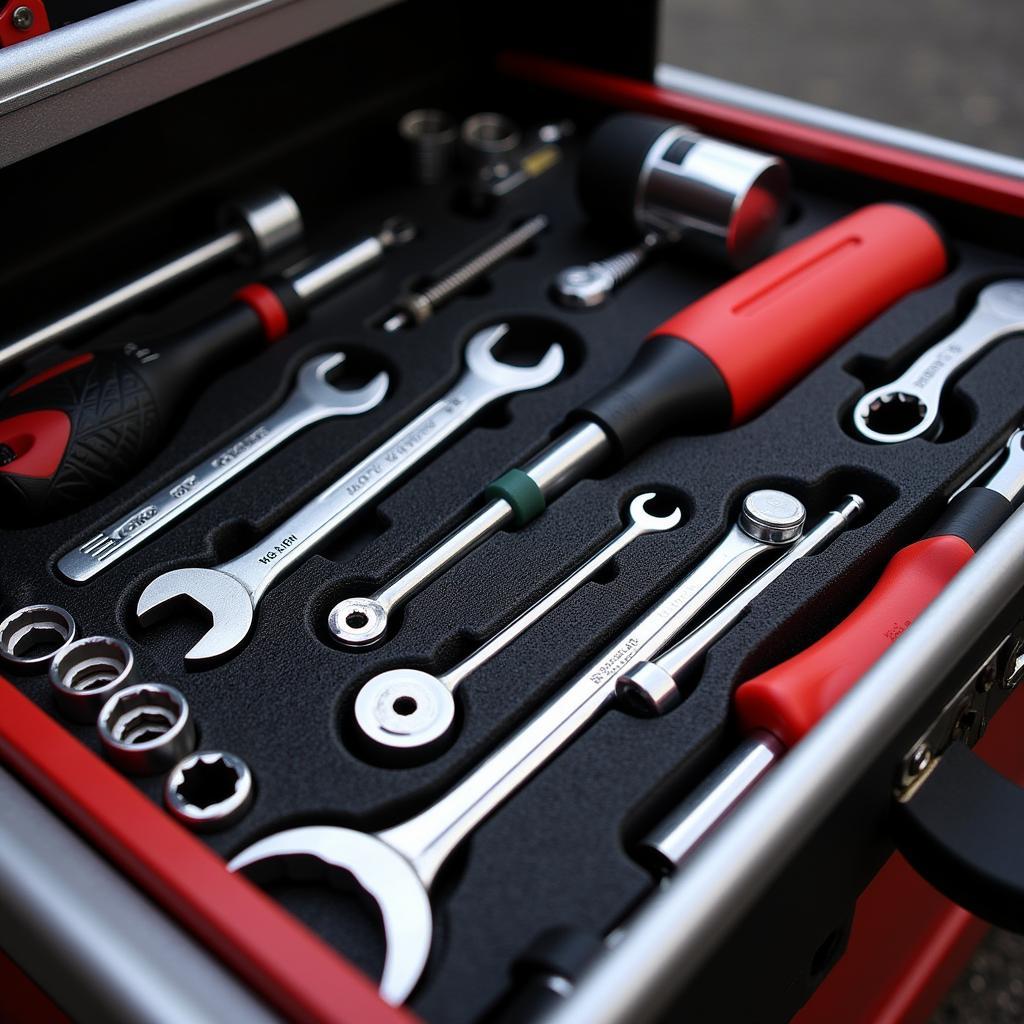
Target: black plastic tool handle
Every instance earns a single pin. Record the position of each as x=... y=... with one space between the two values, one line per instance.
x=78 y=429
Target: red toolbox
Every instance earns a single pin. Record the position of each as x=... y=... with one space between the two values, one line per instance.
x=548 y=550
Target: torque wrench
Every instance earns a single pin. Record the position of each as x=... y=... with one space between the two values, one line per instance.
x=652 y=683
x=417 y=307
x=779 y=707
x=590 y=285
x=558 y=957
x=642 y=174
x=407 y=708
x=909 y=406
x=230 y=592
x=311 y=400
x=255 y=227
x=397 y=867
x=716 y=363
x=77 y=430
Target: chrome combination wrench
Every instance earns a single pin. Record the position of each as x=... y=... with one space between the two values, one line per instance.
x=230 y=592
x=406 y=708
x=908 y=407
x=397 y=867
x=313 y=398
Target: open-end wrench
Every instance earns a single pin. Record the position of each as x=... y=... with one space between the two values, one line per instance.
x=406 y=708
x=716 y=363
x=312 y=399
x=909 y=406
x=230 y=592
x=398 y=866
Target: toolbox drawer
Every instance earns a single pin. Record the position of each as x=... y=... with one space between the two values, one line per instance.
x=576 y=844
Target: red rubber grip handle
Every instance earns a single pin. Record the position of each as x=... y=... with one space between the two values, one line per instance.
x=789 y=699
x=769 y=326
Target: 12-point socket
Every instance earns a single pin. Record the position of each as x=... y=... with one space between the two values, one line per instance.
x=146 y=728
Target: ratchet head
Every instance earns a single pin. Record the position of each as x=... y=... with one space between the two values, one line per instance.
x=507 y=377
x=314 y=386
x=404 y=709
x=380 y=871
x=226 y=601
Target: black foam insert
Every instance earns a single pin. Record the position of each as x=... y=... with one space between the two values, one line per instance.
x=558 y=852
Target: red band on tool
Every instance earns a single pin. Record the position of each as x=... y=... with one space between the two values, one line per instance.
x=792 y=697
x=53 y=371
x=268 y=307
x=38 y=440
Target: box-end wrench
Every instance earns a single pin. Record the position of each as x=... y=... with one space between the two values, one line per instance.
x=229 y=593
x=398 y=866
x=407 y=708
x=313 y=398
x=715 y=364
x=909 y=406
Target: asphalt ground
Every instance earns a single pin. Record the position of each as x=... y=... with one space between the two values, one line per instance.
x=953 y=68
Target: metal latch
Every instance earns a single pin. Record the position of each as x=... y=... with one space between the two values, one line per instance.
x=966 y=716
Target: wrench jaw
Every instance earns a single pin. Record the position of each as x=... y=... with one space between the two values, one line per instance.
x=224 y=599
x=404 y=712
x=648 y=522
x=505 y=376
x=384 y=875
x=312 y=382
x=908 y=415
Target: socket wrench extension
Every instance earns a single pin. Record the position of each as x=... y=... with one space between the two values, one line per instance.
x=406 y=708
x=397 y=867
x=909 y=406
x=230 y=592
x=312 y=399
x=255 y=227
x=717 y=362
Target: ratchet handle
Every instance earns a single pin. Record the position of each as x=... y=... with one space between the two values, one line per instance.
x=788 y=700
x=726 y=356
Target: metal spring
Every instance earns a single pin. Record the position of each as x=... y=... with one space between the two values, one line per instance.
x=463 y=276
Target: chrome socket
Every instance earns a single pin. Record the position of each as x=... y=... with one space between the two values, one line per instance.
x=430 y=136
x=31 y=636
x=85 y=673
x=146 y=728
x=209 y=789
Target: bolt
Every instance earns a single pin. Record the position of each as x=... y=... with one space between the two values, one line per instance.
x=23 y=18
x=919 y=760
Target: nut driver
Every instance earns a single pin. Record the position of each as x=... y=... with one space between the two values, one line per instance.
x=910 y=406
x=312 y=399
x=780 y=706
x=397 y=867
x=406 y=708
x=230 y=592
x=76 y=430
x=715 y=364
x=255 y=228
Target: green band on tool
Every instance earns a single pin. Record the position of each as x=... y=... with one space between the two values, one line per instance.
x=521 y=491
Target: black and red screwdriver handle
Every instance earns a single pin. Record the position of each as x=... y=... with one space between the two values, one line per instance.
x=725 y=357
x=78 y=429
x=963 y=830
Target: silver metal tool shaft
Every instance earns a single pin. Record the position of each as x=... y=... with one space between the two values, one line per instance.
x=256 y=227
x=415 y=308
x=360 y=621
